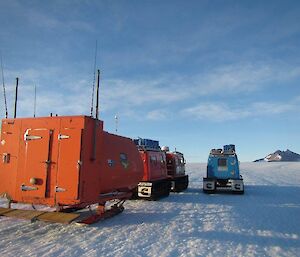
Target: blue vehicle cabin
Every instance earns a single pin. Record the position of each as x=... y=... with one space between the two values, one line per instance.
x=223 y=172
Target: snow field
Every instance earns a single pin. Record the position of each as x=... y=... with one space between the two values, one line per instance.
x=263 y=222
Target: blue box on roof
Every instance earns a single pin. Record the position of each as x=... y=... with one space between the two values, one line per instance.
x=147 y=143
x=229 y=147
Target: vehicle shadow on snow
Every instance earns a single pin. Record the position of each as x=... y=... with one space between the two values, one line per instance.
x=270 y=210
x=140 y=212
x=190 y=195
x=135 y=218
x=231 y=238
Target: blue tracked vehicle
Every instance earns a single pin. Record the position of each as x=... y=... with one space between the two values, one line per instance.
x=223 y=173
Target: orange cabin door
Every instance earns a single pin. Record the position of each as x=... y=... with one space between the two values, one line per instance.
x=69 y=164
x=37 y=163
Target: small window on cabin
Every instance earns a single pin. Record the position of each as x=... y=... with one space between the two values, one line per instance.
x=162 y=159
x=124 y=160
x=153 y=159
x=182 y=160
x=222 y=164
x=123 y=156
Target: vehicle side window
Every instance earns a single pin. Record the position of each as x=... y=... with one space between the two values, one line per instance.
x=124 y=160
x=222 y=162
x=182 y=161
x=123 y=156
x=153 y=159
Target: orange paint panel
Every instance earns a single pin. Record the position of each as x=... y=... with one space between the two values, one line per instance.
x=9 y=145
x=69 y=164
x=65 y=161
x=33 y=177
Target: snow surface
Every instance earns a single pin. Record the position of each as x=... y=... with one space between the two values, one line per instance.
x=263 y=222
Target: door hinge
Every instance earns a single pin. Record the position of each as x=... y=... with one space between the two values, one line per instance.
x=6 y=157
x=59 y=189
x=28 y=188
x=60 y=136
x=31 y=137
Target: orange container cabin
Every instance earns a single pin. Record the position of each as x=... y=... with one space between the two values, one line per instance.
x=66 y=161
x=176 y=170
x=155 y=182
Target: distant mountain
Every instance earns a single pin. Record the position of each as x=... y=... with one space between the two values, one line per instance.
x=281 y=156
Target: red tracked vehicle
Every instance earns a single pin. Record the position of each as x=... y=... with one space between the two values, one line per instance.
x=155 y=182
x=67 y=162
x=176 y=170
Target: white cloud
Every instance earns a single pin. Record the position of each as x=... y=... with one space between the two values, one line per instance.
x=70 y=95
x=157 y=115
x=141 y=92
x=234 y=79
x=51 y=102
x=262 y=108
x=55 y=93
x=227 y=81
x=52 y=15
x=168 y=91
x=219 y=112
x=215 y=112
x=297 y=99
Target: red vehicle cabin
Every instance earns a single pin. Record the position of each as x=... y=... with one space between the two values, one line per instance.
x=155 y=182
x=176 y=170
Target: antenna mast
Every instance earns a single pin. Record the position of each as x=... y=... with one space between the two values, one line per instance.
x=16 y=98
x=3 y=84
x=93 y=93
x=117 y=122
x=34 y=107
x=97 y=95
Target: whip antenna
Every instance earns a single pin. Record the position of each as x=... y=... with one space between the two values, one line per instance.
x=34 y=107
x=94 y=79
x=97 y=94
x=3 y=84
x=16 y=97
x=117 y=122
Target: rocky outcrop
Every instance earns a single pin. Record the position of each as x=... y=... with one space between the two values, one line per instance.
x=281 y=156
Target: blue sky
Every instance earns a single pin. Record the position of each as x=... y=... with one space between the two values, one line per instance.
x=192 y=74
